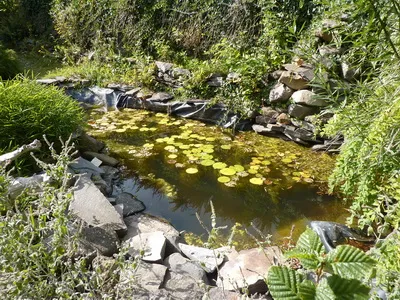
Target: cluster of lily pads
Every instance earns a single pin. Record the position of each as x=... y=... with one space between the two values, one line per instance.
x=188 y=145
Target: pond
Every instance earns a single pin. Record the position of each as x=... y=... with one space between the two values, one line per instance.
x=177 y=166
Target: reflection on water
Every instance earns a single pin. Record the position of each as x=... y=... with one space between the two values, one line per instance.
x=159 y=152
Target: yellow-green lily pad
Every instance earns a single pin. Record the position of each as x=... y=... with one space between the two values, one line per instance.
x=226 y=147
x=256 y=181
x=227 y=171
x=219 y=165
x=207 y=162
x=172 y=156
x=224 y=179
x=192 y=170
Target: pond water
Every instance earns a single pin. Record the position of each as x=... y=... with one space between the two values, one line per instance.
x=176 y=166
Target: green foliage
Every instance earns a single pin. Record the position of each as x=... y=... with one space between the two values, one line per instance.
x=9 y=66
x=29 y=110
x=339 y=274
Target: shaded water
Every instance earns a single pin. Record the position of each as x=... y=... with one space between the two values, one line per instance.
x=177 y=166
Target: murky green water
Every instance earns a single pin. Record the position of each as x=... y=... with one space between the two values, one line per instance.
x=177 y=166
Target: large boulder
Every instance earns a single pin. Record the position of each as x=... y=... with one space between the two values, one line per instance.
x=209 y=259
x=182 y=287
x=160 y=97
x=90 y=205
x=103 y=240
x=179 y=264
x=300 y=111
x=131 y=204
x=306 y=97
x=150 y=246
x=105 y=159
x=280 y=93
x=293 y=80
x=82 y=166
x=249 y=270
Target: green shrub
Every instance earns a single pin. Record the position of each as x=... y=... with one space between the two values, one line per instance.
x=29 y=110
x=9 y=66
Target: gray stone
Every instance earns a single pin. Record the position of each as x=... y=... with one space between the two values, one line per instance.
x=178 y=73
x=269 y=112
x=305 y=125
x=90 y=205
x=19 y=184
x=301 y=134
x=283 y=119
x=293 y=80
x=264 y=120
x=348 y=73
x=207 y=258
x=49 y=81
x=107 y=160
x=144 y=94
x=301 y=111
x=215 y=80
x=273 y=130
x=164 y=66
x=220 y=293
x=104 y=241
x=81 y=166
x=280 y=93
x=133 y=92
x=160 y=97
x=304 y=70
x=182 y=287
x=131 y=204
x=275 y=75
x=120 y=209
x=145 y=223
x=137 y=294
x=179 y=264
x=89 y=143
x=306 y=97
x=248 y=270
x=147 y=277
x=233 y=77
x=150 y=246
x=103 y=186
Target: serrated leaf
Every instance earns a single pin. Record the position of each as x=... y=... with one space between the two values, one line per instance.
x=349 y=262
x=309 y=241
x=308 y=260
x=307 y=290
x=348 y=289
x=324 y=291
x=284 y=283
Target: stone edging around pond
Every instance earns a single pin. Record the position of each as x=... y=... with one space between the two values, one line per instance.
x=275 y=122
x=168 y=268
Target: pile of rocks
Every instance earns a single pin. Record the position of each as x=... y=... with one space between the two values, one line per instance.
x=169 y=75
x=160 y=265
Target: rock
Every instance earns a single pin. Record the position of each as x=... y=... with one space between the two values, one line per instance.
x=89 y=143
x=283 y=119
x=160 y=97
x=215 y=80
x=264 y=120
x=179 y=264
x=104 y=241
x=133 y=92
x=151 y=245
x=107 y=160
x=293 y=80
x=144 y=94
x=136 y=294
x=306 y=97
x=301 y=111
x=19 y=184
x=131 y=204
x=348 y=73
x=269 y=130
x=82 y=166
x=280 y=93
x=182 y=287
x=306 y=71
x=328 y=145
x=147 y=277
x=163 y=66
x=269 y=112
x=248 y=270
x=112 y=200
x=179 y=73
x=233 y=77
x=328 y=51
x=120 y=209
x=145 y=223
x=305 y=125
x=219 y=293
x=207 y=258
x=49 y=81
x=103 y=186
x=90 y=205
x=275 y=75
x=301 y=134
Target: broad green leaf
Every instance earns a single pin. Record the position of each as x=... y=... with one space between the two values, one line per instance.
x=348 y=289
x=307 y=259
x=284 y=283
x=324 y=291
x=309 y=241
x=307 y=290
x=349 y=262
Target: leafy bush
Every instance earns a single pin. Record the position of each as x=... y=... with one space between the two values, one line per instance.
x=336 y=275
x=28 y=110
x=8 y=63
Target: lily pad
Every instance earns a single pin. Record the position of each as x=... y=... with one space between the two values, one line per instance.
x=172 y=156
x=219 y=165
x=287 y=160
x=207 y=162
x=192 y=170
x=224 y=179
x=227 y=171
x=256 y=181
x=238 y=168
x=266 y=162
x=226 y=147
